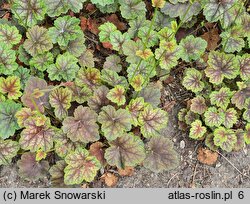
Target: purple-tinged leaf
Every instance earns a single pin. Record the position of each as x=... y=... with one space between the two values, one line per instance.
x=240 y=96
x=80 y=167
x=225 y=138
x=82 y=127
x=38 y=134
x=152 y=120
x=198 y=105
x=30 y=169
x=29 y=99
x=114 y=122
x=8 y=124
x=214 y=117
x=220 y=66
x=8 y=150
x=99 y=99
x=160 y=155
x=60 y=99
x=197 y=131
x=126 y=150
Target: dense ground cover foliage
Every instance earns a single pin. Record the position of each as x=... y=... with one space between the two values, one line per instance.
x=73 y=111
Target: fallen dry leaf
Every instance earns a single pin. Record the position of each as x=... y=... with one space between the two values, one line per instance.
x=169 y=105
x=96 y=150
x=127 y=171
x=107 y=45
x=93 y=26
x=90 y=7
x=212 y=37
x=114 y=19
x=83 y=23
x=206 y=156
x=109 y=179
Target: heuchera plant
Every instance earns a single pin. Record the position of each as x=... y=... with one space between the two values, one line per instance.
x=58 y=100
x=219 y=111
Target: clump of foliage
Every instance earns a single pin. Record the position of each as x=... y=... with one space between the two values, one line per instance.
x=219 y=111
x=55 y=100
x=58 y=100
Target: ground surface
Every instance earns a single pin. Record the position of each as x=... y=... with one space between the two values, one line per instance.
x=190 y=173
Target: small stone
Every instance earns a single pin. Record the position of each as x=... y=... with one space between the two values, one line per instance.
x=218 y=165
x=182 y=144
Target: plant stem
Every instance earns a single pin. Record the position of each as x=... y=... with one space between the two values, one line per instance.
x=145 y=43
x=156 y=64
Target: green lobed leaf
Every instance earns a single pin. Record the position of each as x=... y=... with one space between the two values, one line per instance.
x=240 y=96
x=36 y=85
x=113 y=62
x=38 y=41
x=126 y=150
x=105 y=31
x=151 y=94
x=183 y=10
x=7 y=59
x=8 y=150
x=65 y=29
x=222 y=11
x=42 y=61
x=129 y=49
x=221 y=98
x=86 y=59
x=168 y=57
x=99 y=99
x=60 y=99
x=150 y=39
x=37 y=135
x=9 y=34
x=135 y=107
x=57 y=174
x=225 y=138
x=8 y=124
x=197 y=131
x=220 y=66
x=89 y=77
x=192 y=80
x=112 y=78
x=246 y=114
x=214 y=117
x=117 y=95
x=152 y=120
x=58 y=7
x=198 y=105
x=80 y=94
x=82 y=127
x=230 y=117
x=11 y=86
x=64 y=145
x=23 y=74
x=65 y=68
x=161 y=155
x=78 y=49
x=80 y=167
x=28 y=12
x=114 y=122
x=131 y=9
x=244 y=62
x=191 y=48
x=117 y=39
x=232 y=42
